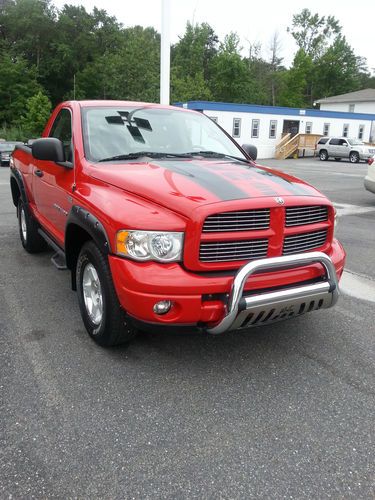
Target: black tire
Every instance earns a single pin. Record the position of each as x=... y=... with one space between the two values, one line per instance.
x=354 y=157
x=337 y=159
x=31 y=240
x=114 y=327
x=323 y=155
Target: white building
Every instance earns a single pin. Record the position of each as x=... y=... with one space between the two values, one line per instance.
x=264 y=126
x=362 y=101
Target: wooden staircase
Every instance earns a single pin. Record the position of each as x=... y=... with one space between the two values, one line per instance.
x=298 y=145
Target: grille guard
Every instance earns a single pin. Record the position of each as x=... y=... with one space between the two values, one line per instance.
x=280 y=304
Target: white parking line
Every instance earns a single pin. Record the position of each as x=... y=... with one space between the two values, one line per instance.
x=357 y=286
x=346 y=209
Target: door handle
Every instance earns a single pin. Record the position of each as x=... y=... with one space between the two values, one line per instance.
x=38 y=173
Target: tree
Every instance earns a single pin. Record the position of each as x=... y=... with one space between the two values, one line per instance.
x=18 y=82
x=38 y=110
x=275 y=66
x=27 y=27
x=191 y=63
x=294 y=82
x=338 y=70
x=313 y=33
x=232 y=80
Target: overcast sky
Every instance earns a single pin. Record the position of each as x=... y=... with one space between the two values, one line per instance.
x=252 y=20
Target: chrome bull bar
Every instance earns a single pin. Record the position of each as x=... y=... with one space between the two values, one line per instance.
x=277 y=305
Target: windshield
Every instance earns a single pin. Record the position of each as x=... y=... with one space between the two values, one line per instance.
x=355 y=142
x=117 y=132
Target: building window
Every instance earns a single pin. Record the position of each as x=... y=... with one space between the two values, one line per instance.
x=255 y=128
x=273 y=125
x=326 y=129
x=308 y=127
x=351 y=108
x=214 y=119
x=236 y=127
x=361 y=130
x=345 y=130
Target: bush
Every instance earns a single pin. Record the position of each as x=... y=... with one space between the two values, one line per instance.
x=38 y=110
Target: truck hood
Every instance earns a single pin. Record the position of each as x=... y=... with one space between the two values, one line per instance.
x=183 y=185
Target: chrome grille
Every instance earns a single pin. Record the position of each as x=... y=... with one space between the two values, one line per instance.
x=302 y=242
x=299 y=216
x=225 y=251
x=243 y=220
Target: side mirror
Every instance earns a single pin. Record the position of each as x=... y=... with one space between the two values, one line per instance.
x=49 y=149
x=250 y=150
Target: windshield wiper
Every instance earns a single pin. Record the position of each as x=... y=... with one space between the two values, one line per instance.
x=150 y=154
x=215 y=154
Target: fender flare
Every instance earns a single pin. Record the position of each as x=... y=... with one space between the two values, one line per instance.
x=17 y=176
x=81 y=217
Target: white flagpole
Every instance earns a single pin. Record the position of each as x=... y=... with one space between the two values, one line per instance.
x=165 y=53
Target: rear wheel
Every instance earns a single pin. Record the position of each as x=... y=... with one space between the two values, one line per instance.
x=354 y=157
x=31 y=240
x=323 y=155
x=104 y=318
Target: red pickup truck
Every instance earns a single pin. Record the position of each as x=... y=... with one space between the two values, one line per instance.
x=164 y=220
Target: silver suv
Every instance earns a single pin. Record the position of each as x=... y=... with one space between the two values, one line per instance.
x=342 y=147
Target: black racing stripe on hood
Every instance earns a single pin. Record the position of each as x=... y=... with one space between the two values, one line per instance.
x=267 y=187
x=208 y=179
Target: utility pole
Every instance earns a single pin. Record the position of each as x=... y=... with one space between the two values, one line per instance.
x=165 y=53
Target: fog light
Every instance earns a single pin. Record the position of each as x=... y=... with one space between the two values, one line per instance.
x=162 y=307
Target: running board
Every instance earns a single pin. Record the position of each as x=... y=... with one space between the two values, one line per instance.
x=58 y=258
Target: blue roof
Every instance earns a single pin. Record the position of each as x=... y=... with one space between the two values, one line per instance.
x=273 y=110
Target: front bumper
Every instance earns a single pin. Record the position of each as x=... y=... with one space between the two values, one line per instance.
x=365 y=156
x=243 y=312
x=201 y=299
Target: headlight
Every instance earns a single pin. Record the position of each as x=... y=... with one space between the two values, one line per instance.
x=150 y=245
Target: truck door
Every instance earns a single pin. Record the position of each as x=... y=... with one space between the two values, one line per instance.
x=53 y=182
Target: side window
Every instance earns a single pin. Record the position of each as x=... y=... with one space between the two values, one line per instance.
x=62 y=129
x=236 y=127
x=255 y=128
x=334 y=142
x=361 y=130
x=273 y=125
x=343 y=142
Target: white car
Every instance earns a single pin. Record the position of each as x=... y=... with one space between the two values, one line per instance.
x=370 y=177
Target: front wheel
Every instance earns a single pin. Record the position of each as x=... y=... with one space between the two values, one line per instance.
x=354 y=157
x=104 y=319
x=323 y=155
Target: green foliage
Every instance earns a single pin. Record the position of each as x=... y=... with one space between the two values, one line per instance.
x=313 y=33
x=50 y=54
x=337 y=71
x=295 y=92
x=38 y=110
x=13 y=133
x=18 y=82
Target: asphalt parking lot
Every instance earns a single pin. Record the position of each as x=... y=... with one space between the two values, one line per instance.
x=285 y=411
